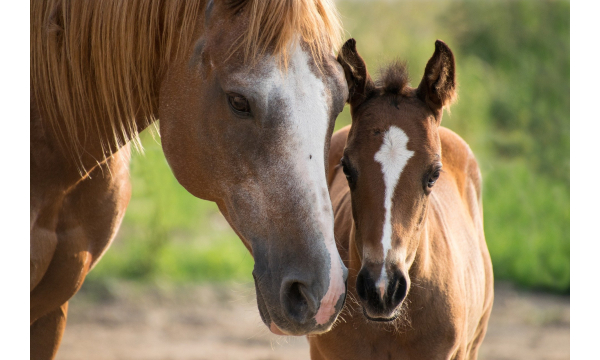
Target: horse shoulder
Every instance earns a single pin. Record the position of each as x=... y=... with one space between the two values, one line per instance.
x=50 y=178
x=89 y=216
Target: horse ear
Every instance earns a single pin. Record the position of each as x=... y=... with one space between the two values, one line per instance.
x=438 y=86
x=357 y=76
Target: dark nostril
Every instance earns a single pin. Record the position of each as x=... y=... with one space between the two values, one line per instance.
x=365 y=287
x=297 y=302
x=398 y=289
x=361 y=286
x=296 y=296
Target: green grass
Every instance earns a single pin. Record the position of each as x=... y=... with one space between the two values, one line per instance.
x=526 y=220
x=513 y=71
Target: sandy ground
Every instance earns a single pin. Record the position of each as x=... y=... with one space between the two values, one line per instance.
x=125 y=321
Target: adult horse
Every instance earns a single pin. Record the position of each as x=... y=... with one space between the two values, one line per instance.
x=247 y=92
x=411 y=233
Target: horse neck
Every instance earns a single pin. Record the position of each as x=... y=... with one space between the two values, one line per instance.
x=111 y=88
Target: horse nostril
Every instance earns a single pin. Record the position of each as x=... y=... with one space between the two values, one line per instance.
x=298 y=302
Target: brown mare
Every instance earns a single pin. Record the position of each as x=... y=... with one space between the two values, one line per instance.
x=410 y=233
x=247 y=92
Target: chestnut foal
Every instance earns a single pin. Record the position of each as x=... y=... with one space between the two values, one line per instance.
x=411 y=234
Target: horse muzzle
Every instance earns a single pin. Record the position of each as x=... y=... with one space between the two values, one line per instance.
x=301 y=305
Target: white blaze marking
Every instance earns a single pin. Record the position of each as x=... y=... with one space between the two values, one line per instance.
x=307 y=121
x=393 y=156
x=310 y=117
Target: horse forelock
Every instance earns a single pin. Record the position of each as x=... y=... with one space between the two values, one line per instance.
x=276 y=24
x=95 y=65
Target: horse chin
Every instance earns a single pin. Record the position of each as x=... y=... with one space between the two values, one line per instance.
x=266 y=317
x=277 y=330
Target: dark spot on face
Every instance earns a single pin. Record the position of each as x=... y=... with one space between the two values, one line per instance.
x=310 y=156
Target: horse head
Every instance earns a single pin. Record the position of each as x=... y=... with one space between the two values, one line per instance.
x=250 y=130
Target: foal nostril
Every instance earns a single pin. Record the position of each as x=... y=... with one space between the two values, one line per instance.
x=298 y=302
x=365 y=287
x=361 y=284
x=397 y=289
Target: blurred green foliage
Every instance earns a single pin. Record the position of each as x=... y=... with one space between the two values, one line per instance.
x=513 y=109
x=168 y=234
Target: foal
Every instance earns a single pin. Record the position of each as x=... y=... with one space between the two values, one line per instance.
x=410 y=233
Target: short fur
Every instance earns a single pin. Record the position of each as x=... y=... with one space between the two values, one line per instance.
x=438 y=284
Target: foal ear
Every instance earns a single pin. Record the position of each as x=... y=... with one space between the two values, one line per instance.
x=357 y=76
x=438 y=86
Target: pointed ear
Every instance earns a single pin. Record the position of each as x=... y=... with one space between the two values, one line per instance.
x=357 y=77
x=438 y=86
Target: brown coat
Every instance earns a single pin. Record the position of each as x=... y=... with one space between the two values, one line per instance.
x=431 y=294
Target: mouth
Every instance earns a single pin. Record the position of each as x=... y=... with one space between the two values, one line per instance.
x=267 y=318
x=381 y=319
x=276 y=330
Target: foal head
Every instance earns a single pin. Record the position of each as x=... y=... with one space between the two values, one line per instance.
x=391 y=161
x=250 y=130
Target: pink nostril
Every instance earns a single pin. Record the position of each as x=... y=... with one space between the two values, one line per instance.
x=381 y=286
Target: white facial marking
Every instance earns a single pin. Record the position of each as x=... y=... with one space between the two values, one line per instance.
x=307 y=122
x=393 y=156
x=310 y=117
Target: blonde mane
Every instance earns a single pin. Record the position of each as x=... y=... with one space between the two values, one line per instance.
x=276 y=23
x=95 y=65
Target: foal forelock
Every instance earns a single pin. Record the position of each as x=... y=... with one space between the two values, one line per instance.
x=393 y=155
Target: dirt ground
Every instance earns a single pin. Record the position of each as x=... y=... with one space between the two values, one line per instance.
x=125 y=321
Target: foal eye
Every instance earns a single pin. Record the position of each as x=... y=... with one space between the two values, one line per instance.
x=239 y=104
x=348 y=172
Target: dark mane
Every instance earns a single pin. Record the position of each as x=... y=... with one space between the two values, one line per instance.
x=394 y=79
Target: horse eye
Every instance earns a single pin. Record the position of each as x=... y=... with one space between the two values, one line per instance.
x=433 y=178
x=239 y=104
